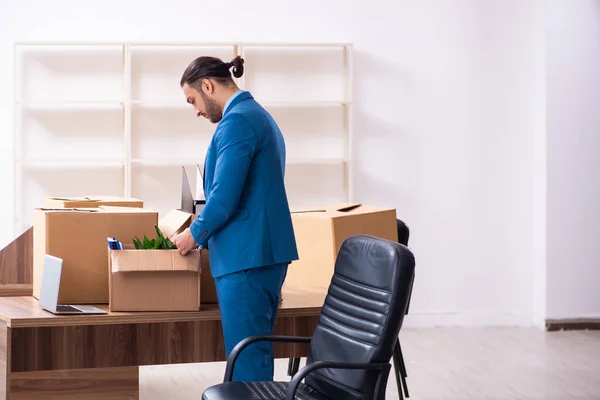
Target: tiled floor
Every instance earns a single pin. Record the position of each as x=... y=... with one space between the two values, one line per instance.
x=446 y=364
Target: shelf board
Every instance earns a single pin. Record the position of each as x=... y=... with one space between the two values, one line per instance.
x=161 y=104
x=306 y=44
x=64 y=163
x=304 y=104
x=168 y=162
x=273 y=104
x=317 y=161
x=158 y=49
x=183 y=44
x=67 y=43
x=200 y=161
x=180 y=44
x=51 y=105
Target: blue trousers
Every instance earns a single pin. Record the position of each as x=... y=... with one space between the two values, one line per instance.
x=248 y=303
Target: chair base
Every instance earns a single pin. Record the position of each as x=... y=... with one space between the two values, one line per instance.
x=293 y=366
x=400 y=369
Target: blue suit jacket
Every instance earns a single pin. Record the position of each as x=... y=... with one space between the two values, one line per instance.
x=246 y=222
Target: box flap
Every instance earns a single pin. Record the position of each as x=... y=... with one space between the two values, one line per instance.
x=347 y=207
x=125 y=210
x=111 y=198
x=91 y=210
x=330 y=210
x=338 y=211
x=79 y=199
x=129 y=260
x=305 y=210
x=110 y=209
x=90 y=201
x=358 y=209
x=174 y=223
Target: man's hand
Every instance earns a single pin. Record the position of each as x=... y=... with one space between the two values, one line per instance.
x=184 y=242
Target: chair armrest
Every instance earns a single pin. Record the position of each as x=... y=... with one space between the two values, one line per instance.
x=290 y=393
x=252 y=339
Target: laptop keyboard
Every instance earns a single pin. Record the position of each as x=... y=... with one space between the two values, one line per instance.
x=63 y=308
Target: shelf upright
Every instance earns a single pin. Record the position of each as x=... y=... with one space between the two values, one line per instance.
x=16 y=142
x=240 y=51
x=127 y=120
x=348 y=74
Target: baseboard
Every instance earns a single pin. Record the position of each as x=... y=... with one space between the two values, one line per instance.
x=572 y=324
x=434 y=320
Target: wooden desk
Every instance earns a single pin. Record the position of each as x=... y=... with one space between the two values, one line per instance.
x=44 y=356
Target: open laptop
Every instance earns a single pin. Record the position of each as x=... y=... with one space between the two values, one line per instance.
x=188 y=203
x=50 y=287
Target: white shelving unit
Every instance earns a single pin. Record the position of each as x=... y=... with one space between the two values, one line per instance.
x=111 y=119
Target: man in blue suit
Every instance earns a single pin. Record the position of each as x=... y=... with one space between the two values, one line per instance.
x=246 y=222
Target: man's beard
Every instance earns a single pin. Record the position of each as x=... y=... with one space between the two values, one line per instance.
x=213 y=111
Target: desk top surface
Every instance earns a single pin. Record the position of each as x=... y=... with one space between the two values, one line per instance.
x=22 y=312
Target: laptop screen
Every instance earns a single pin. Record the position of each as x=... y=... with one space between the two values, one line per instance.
x=187 y=197
x=50 y=282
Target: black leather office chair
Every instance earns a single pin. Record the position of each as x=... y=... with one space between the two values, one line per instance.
x=399 y=365
x=358 y=328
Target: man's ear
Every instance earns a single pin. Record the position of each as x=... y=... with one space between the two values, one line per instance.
x=207 y=86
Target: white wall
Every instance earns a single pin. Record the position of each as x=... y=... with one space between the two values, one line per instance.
x=539 y=246
x=6 y=123
x=573 y=128
x=445 y=118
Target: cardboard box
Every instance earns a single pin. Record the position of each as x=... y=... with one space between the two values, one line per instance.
x=91 y=202
x=154 y=280
x=78 y=236
x=208 y=290
x=320 y=233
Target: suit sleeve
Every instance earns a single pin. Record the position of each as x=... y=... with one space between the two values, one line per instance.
x=236 y=143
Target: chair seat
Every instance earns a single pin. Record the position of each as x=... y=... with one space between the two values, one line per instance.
x=258 y=391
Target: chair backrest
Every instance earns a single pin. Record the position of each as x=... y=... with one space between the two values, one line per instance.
x=362 y=314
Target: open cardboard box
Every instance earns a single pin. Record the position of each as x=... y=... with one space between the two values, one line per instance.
x=320 y=232
x=156 y=280
x=91 y=202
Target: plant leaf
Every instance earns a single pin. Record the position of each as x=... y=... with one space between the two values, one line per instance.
x=161 y=242
x=161 y=238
